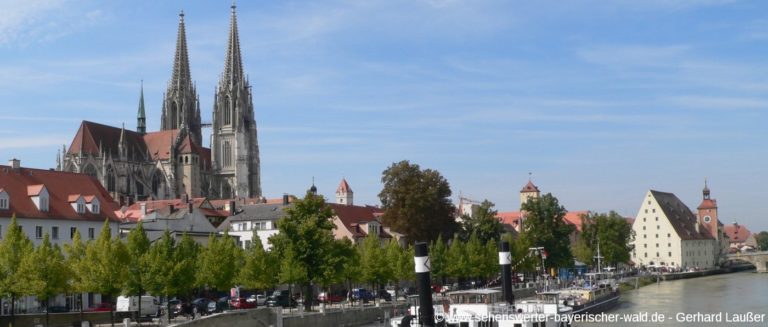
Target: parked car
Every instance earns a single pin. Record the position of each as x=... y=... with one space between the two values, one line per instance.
x=384 y=295
x=359 y=294
x=222 y=304
x=175 y=305
x=200 y=306
x=100 y=307
x=330 y=297
x=241 y=303
x=281 y=299
x=259 y=299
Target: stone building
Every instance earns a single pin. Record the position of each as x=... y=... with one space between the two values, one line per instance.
x=141 y=165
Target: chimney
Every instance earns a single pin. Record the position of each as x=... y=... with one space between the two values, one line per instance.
x=232 y=208
x=286 y=199
x=14 y=163
x=143 y=209
x=189 y=207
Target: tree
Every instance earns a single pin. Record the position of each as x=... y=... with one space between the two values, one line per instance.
x=138 y=270
x=44 y=273
x=75 y=256
x=373 y=262
x=491 y=263
x=476 y=257
x=219 y=263
x=582 y=251
x=343 y=256
x=483 y=222
x=544 y=227
x=438 y=256
x=305 y=243
x=104 y=263
x=186 y=259
x=762 y=241
x=14 y=247
x=614 y=234
x=162 y=263
x=259 y=270
x=457 y=258
x=417 y=202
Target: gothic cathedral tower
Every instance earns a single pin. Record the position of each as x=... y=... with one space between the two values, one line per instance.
x=234 y=146
x=181 y=108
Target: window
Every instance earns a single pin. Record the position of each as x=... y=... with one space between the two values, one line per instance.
x=55 y=232
x=646 y=254
x=669 y=245
x=658 y=227
x=657 y=254
x=644 y=236
x=227 y=111
x=90 y=233
x=44 y=202
x=227 y=152
x=111 y=180
x=38 y=231
x=657 y=244
x=657 y=218
x=643 y=219
x=670 y=254
x=657 y=235
x=643 y=227
x=654 y=211
x=646 y=210
x=645 y=246
x=95 y=206
x=80 y=207
x=72 y=231
x=669 y=235
x=3 y=200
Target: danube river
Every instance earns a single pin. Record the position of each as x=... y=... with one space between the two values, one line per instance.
x=738 y=299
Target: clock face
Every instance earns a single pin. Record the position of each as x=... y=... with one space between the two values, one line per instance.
x=707 y=219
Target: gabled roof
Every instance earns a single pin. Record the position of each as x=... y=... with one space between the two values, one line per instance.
x=133 y=212
x=353 y=216
x=343 y=187
x=736 y=233
x=34 y=190
x=529 y=188
x=250 y=212
x=91 y=136
x=682 y=219
x=708 y=204
x=73 y=197
x=22 y=183
x=512 y=218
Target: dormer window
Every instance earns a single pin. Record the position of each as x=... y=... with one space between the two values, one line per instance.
x=4 y=200
x=39 y=195
x=373 y=228
x=92 y=203
x=77 y=202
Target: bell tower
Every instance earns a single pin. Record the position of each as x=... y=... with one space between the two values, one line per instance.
x=234 y=143
x=181 y=108
x=707 y=212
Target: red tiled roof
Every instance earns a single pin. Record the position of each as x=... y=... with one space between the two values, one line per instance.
x=159 y=143
x=736 y=233
x=19 y=184
x=575 y=218
x=708 y=204
x=509 y=218
x=34 y=190
x=73 y=197
x=529 y=188
x=352 y=216
x=89 y=198
x=92 y=137
x=343 y=187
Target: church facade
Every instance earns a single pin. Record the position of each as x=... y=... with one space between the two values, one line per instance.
x=172 y=163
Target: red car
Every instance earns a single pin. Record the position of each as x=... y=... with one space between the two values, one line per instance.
x=241 y=303
x=326 y=297
x=99 y=307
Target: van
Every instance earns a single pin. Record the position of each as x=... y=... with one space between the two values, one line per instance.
x=149 y=305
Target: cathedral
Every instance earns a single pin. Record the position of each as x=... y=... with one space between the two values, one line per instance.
x=172 y=163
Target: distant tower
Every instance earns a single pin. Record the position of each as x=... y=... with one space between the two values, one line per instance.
x=141 y=117
x=708 y=212
x=529 y=191
x=344 y=193
x=180 y=106
x=234 y=145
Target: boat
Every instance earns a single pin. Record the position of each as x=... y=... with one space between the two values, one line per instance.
x=596 y=293
x=486 y=308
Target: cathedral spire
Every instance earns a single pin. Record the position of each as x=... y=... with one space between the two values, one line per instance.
x=141 y=117
x=180 y=100
x=233 y=65
x=181 y=76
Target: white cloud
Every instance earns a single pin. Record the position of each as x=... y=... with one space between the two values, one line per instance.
x=33 y=21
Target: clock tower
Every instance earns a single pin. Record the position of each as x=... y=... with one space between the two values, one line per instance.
x=708 y=212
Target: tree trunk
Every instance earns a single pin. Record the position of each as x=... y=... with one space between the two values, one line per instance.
x=308 y=297
x=138 y=315
x=81 y=308
x=47 y=305
x=13 y=310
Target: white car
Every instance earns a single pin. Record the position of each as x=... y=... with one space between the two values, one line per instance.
x=260 y=299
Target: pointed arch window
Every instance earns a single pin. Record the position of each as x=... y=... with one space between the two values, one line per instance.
x=111 y=180
x=156 y=184
x=227 y=111
x=227 y=152
x=174 y=115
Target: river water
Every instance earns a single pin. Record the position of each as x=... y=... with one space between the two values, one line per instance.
x=679 y=302
x=706 y=301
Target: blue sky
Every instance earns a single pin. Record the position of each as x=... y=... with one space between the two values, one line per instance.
x=601 y=100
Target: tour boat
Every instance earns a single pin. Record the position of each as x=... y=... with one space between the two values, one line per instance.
x=596 y=293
